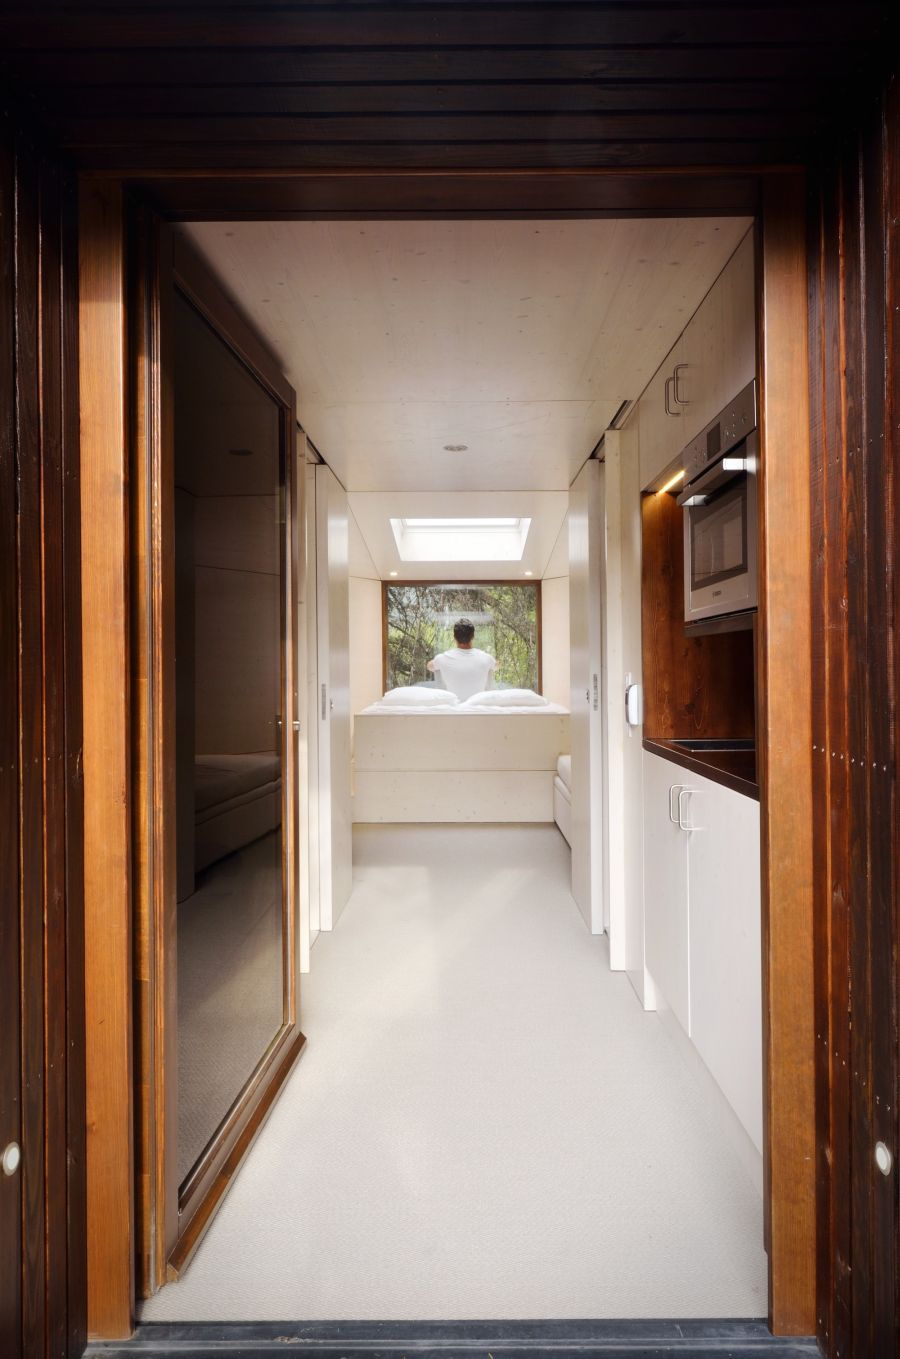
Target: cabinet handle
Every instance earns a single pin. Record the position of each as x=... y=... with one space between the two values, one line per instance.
x=670 y=383
x=672 y=790
x=682 y=824
x=678 y=400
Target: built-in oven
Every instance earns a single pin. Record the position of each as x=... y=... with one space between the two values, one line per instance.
x=720 y=521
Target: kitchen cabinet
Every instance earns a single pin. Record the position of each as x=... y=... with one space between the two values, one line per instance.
x=725 y=945
x=702 y=942
x=719 y=344
x=709 y=364
x=666 y=942
x=660 y=424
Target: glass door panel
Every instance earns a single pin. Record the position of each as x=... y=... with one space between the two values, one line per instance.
x=229 y=741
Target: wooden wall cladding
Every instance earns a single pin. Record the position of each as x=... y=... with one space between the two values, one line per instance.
x=474 y=84
x=693 y=686
x=40 y=778
x=854 y=287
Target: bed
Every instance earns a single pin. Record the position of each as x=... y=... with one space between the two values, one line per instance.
x=457 y=763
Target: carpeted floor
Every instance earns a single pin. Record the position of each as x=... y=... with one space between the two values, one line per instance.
x=485 y=1123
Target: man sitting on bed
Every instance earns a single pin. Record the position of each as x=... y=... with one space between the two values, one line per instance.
x=464 y=670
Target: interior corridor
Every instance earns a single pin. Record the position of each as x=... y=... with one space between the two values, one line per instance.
x=485 y=1122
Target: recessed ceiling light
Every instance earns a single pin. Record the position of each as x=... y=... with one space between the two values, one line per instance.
x=528 y=573
x=392 y=573
x=456 y=448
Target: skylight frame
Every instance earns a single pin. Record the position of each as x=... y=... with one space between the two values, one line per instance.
x=491 y=538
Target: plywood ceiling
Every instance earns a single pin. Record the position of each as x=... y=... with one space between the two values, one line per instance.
x=519 y=339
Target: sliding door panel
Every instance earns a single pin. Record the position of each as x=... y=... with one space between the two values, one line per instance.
x=229 y=610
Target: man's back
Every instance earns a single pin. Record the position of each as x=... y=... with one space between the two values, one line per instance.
x=465 y=670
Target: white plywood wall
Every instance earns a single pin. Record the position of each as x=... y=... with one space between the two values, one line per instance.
x=365 y=624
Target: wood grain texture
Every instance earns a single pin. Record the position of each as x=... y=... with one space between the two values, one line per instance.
x=516 y=83
x=42 y=1103
x=785 y=766
x=693 y=686
x=854 y=299
x=107 y=781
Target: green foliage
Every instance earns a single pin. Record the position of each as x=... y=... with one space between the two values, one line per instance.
x=420 y=621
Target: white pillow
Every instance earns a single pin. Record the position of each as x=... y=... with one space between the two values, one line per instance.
x=418 y=696
x=506 y=698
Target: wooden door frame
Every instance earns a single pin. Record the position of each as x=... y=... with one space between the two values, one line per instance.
x=785 y=775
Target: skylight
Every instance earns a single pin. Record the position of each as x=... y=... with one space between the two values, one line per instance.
x=460 y=540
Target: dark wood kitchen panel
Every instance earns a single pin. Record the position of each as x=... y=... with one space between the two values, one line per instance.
x=693 y=686
x=855 y=379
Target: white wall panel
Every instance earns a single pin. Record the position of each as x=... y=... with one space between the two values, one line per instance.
x=447 y=741
x=366 y=640
x=333 y=700
x=454 y=796
x=555 y=640
x=585 y=568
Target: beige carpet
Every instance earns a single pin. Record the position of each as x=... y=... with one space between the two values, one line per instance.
x=485 y=1124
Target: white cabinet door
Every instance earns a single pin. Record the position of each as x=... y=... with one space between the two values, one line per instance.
x=666 y=939
x=659 y=421
x=725 y=948
x=737 y=365
x=719 y=353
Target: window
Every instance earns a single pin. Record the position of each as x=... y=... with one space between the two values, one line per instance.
x=419 y=623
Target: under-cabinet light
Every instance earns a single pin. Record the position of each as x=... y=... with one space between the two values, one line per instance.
x=672 y=482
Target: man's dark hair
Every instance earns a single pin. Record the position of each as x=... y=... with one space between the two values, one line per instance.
x=464 y=631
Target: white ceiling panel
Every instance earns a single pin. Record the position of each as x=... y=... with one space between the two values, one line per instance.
x=519 y=339
x=373 y=511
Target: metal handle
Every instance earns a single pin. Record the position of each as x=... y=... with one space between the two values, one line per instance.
x=678 y=400
x=324 y=702
x=670 y=382
x=672 y=789
x=682 y=824
x=296 y=724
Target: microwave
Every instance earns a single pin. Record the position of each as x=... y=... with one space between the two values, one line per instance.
x=720 y=502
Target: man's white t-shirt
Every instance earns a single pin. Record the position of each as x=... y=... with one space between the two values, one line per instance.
x=465 y=670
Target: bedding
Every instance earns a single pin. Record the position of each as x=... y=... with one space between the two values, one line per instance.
x=418 y=696
x=506 y=698
x=466 y=709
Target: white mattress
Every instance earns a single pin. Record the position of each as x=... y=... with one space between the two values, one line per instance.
x=437 y=709
x=564 y=770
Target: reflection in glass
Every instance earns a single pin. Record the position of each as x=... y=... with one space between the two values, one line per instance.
x=228 y=656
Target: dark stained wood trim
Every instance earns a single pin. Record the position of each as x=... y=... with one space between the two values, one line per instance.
x=107 y=773
x=391 y=194
x=11 y=1239
x=785 y=760
x=195 y=1227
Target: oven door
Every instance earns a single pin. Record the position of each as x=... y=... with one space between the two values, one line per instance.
x=720 y=550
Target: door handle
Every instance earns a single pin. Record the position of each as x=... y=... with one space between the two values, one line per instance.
x=670 y=383
x=682 y=824
x=674 y=788
x=678 y=400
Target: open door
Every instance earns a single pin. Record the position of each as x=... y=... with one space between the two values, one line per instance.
x=585 y=568
x=335 y=820
x=216 y=576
